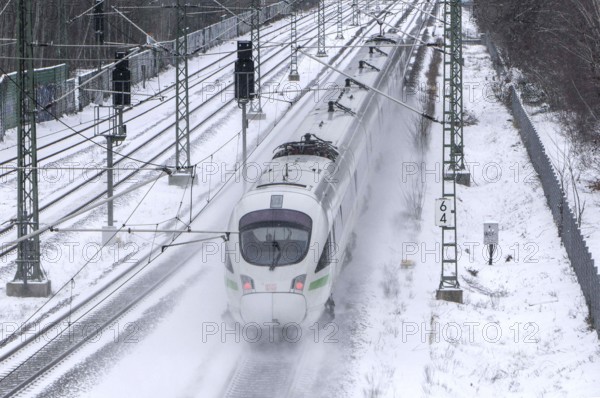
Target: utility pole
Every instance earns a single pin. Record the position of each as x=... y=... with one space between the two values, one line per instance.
x=255 y=106
x=321 y=29
x=340 y=33
x=294 y=75
x=29 y=280
x=182 y=112
x=449 y=288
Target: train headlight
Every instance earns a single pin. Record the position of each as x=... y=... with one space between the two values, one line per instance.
x=298 y=283
x=247 y=284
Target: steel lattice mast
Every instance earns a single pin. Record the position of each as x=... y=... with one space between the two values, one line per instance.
x=453 y=79
x=182 y=122
x=340 y=34
x=321 y=29
x=293 y=43
x=354 y=12
x=255 y=105
x=452 y=132
x=28 y=257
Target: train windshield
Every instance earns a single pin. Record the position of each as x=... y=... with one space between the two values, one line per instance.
x=275 y=237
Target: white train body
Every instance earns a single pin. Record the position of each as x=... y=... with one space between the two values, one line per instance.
x=296 y=221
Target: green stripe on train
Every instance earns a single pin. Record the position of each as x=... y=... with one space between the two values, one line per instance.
x=231 y=284
x=322 y=281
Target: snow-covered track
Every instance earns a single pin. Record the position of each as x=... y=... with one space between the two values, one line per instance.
x=157 y=157
x=229 y=57
x=23 y=367
x=24 y=364
x=278 y=369
x=264 y=372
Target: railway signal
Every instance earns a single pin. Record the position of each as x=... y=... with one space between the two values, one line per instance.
x=244 y=73
x=121 y=77
x=244 y=86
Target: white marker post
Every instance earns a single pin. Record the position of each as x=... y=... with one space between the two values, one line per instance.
x=490 y=237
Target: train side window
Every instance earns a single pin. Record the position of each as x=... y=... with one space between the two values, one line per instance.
x=325 y=258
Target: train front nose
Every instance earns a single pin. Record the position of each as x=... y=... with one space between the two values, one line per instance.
x=264 y=308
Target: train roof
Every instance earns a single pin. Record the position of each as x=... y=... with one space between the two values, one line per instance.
x=327 y=137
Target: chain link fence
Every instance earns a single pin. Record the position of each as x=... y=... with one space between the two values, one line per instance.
x=568 y=228
x=93 y=86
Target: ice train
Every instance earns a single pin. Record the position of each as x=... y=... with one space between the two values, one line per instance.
x=296 y=221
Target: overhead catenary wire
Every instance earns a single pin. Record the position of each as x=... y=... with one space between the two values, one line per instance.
x=162 y=91
x=51 y=225
x=78 y=271
x=425 y=115
x=70 y=21
x=118 y=287
x=5 y=7
x=59 y=120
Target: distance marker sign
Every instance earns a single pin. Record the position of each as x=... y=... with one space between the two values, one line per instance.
x=444 y=212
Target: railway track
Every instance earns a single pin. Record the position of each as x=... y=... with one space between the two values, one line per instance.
x=229 y=57
x=24 y=365
x=281 y=369
x=165 y=149
x=28 y=361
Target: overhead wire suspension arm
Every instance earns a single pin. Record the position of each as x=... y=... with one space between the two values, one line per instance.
x=370 y=87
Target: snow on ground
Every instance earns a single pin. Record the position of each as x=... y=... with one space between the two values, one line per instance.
x=204 y=303
x=521 y=330
x=524 y=318
x=578 y=166
x=63 y=255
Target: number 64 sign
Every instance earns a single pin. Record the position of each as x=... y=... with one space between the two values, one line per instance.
x=444 y=212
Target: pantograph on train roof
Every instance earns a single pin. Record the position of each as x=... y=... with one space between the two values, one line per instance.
x=310 y=145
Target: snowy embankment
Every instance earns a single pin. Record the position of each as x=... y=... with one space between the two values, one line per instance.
x=522 y=330
x=577 y=165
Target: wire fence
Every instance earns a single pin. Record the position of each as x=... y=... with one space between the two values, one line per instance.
x=568 y=228
x=94 y=86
